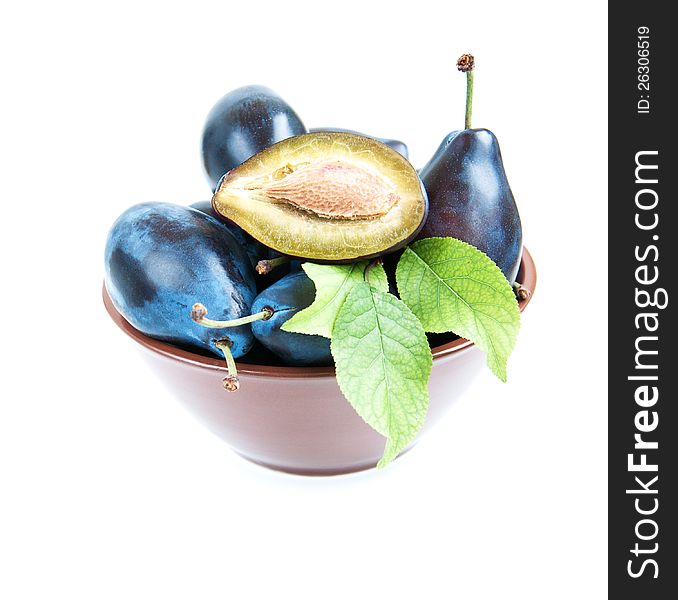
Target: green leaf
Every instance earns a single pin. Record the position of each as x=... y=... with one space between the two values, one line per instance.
x=383 y=362
x=452 y=286
x=332 y=283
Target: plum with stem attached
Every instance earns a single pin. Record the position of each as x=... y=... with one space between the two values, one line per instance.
x=273 y=307
x=469 y=194
x=160 y=257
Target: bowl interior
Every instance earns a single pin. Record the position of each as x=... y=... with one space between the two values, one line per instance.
x=527 y=276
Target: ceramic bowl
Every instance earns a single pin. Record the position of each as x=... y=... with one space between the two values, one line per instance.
x=295 y=419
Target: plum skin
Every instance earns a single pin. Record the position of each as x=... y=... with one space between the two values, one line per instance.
x=162 y=258
x=243 y=123
x=470 y=198
x=286 y=297
x=254 y=249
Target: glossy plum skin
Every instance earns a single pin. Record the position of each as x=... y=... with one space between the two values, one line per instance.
x=244 y=122
x=255 y=250
x=286 y=297
x=470 y=198
x=161 y=258
x=400 y=147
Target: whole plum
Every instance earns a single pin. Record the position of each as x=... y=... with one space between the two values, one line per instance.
x=285 y=298
x=243 y=123
x=162 y=258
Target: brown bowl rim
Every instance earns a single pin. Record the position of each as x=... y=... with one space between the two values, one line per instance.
x=527 y=276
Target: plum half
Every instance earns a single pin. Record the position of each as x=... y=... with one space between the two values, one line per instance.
x=327 y=197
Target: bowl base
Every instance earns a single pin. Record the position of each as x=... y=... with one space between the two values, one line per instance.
x=332 y=472
x=311 y=472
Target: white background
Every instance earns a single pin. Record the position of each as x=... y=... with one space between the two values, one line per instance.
x=110 y=490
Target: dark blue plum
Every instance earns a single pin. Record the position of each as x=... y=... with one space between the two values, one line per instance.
x=162 y=258
x=397 y=145
x=255 y=250
x=470 y=198
x=243 y=123
x=286 y=297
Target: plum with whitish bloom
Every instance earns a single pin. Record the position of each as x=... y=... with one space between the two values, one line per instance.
x=162 y=258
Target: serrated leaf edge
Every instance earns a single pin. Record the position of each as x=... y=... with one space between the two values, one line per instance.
x=290 y=322
x=492 y=358
x=389 y=454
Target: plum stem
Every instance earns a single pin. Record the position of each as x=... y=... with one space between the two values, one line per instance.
x=521 y=292
x=466 y=64
x=469 y=99
x=231 y=381
x=198 y=313
x=266 y=266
